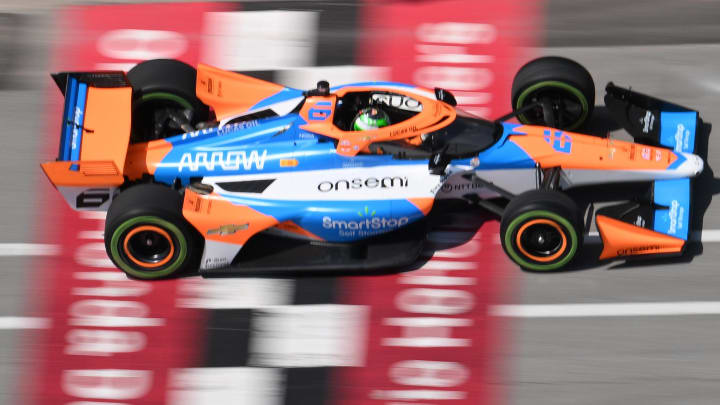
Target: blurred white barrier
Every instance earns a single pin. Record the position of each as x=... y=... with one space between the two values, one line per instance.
x=226 y=385
x=327 y=335
x=260 y=40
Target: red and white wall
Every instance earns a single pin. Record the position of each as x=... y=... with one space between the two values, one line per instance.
x=423 y=337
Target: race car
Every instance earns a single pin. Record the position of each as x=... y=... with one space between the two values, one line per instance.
x=206 y=170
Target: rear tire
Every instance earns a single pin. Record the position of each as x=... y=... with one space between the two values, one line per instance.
x=159 y=84
x=146 y=235
x=541 y=230
x=562 y=83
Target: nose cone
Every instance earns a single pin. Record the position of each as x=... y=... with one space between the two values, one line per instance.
x=693 y=165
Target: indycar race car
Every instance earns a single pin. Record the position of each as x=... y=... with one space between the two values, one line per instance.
x=204 y=170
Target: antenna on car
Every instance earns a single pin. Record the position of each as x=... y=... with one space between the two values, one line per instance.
x=322 y=89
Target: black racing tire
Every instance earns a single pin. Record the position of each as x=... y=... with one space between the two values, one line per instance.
x=562 y=82
x=541 y=230
x=162 y=83
x=146 y=235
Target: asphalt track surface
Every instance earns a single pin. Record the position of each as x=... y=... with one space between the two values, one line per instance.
x=666 y=48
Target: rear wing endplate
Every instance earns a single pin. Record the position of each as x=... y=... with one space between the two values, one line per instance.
x=94 y=136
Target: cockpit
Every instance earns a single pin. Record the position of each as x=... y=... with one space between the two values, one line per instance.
x=409 y=123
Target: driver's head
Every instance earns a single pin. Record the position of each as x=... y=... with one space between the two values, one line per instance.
x=370 y=118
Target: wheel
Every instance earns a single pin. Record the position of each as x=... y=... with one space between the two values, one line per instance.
x=163 y=87
x=562 y=85
x=541 y=230
x=146 y=235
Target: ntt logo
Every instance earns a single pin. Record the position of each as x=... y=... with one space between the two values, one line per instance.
x=363 y=183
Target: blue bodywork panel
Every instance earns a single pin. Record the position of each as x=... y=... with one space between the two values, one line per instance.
x=675 y=219
x=677 y=130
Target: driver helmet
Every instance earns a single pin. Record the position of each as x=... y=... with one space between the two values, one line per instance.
x=370 y=118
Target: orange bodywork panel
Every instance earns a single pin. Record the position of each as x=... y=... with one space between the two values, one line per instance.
x=229 y=93
x=104 y=145
x=424 y=204
x=98 y=173
x=434 y=115
x=589 y=152
x=623 y=239
x=144 y=157
x=219 y=220
x=106 y=131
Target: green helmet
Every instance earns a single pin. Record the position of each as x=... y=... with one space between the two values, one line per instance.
x=370 y=118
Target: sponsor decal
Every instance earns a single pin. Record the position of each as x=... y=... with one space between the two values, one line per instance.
x=638 y=250
x=223 y=130
x=215 y=263
x=682 y=138
x=647 y=122
x=398 y=101
x=197 y=133
x=645 y=153
x=676 y=215
x=228 y=229
x=448 y=188
x=92 y=198
x=77 y=121
x=403 y=131
x=559 y=140
x=677 y=130
x=368 y=224
x=363 y=183
x=225 y=160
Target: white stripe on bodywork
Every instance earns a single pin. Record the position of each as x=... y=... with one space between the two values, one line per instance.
x=691 y=167
x=401 y=182
x=281 y=108
x=514 y=181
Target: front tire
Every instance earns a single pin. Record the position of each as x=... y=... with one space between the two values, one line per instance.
x=541 y=230
x=146 y=235
x=562 y=84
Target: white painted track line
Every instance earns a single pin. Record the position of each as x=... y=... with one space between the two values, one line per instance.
x=29 y=249
x=615 y=309
x=711 y=235
x=20 y=322
x=607 y=309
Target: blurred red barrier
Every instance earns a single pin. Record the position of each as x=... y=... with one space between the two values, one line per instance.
x=112 y=339
x=430 y=339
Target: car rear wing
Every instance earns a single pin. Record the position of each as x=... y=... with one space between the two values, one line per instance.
x=660 y=223
x=94 y=137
